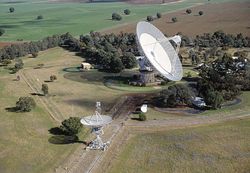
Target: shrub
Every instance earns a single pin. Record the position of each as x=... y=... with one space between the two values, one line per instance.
x=11 y=9
x=201 y=13
x=39 y=17
x=142 y=117
x=127 y=11
x=2 y=31
x=150 y=18
x=34 y=54
x=25 y=104
x=158 y=15
x=174 y=19
x=116 y=16
x=53 y=77
x=45 y=89
x=188 y=11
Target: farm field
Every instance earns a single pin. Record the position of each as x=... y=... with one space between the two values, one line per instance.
x=231 y=17
x=76 y=18
x=222 y=147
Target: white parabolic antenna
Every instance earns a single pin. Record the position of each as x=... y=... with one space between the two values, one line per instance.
x=159 y=51
x=96 y=122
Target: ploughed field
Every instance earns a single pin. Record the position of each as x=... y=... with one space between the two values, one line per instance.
x=76 y=18
x=231 y=17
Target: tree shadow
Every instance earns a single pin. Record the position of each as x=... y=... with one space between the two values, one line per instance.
x=64 y=139
x=137 y=119
x=12 y=109
x=60 y=137
x=36 y=94
x=47 y=81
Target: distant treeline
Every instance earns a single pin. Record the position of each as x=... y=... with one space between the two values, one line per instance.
x=109 y=50
x=217 y=39
x=22 y=49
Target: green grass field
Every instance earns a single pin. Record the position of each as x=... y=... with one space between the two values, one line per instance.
x=76 y=18
x=216 y=148
x=24 y=136
x=25 y=141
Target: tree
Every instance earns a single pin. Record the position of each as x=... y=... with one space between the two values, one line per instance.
x=39 y=17
x=116 y=16
x=11 y=9
x=174 y=95
x=129 y=60
x=25 y=104
x=5 y=62
x=53 y=77
x=188 y=11
x=174 y=19
x=18 y=65
x=142 y=117
x=45 y=89
x=71 y=126
x=214 y=99
x=150 y=18
x=127 y=11
x=158 y=15
x=2 y=31
x=34 y=54
x=201 y=13
x=116 y=65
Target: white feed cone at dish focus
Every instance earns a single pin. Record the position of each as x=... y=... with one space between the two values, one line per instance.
x=159 y=51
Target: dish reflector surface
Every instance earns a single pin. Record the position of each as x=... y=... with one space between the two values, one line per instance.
x=96 y=121
x=159 y=51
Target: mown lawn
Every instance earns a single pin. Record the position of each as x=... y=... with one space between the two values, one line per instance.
x=222 y=147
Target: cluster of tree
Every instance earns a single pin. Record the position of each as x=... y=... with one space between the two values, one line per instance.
x=151 y=18
x=22 y=49
x=220 y=39
x=53 y=77
x=223 y=79
x=25 y=104
x=178 y=94
x=188 y=11
x=111 y=53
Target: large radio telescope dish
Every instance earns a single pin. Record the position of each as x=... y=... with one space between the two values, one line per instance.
x=159 y=51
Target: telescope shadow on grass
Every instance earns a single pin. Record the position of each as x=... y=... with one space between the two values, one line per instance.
x=59 y=137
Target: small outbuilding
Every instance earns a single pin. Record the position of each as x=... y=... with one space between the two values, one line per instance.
x=86 y=66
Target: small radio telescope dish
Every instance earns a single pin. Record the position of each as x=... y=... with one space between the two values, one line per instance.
x=96 y=122
x=159 y=51
x=144 y=108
